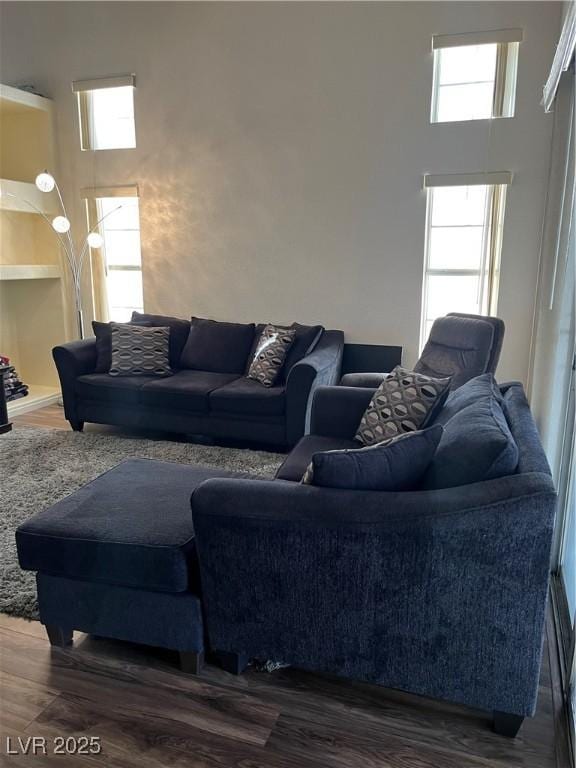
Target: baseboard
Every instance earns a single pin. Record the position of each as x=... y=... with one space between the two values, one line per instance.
x=38 y=397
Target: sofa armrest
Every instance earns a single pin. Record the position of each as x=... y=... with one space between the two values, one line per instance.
x=440 y=593
x=336 y=411
x=370 y=380
x=321 y=366
x=72 y=360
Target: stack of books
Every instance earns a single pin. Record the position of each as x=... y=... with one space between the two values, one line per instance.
x=14 y=387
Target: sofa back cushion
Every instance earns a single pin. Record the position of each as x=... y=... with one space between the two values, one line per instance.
x=179 y=332
x=306 y=339
x=393 y=465
x=473 y=390
x=103 y=333
x=218 y=347
x=476 y=445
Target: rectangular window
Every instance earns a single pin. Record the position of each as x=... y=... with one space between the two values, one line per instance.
x=474 y=76
x=464 y=221
x=106 y=113
x=116 y=218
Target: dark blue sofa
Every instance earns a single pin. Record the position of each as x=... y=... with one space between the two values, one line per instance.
x=439 y=592
x=226 y=406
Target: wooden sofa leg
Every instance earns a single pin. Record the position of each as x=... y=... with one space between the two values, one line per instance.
x=191 y=662
x=506 y=724
x=235 y=663
x=77 y=426
x=58 y=636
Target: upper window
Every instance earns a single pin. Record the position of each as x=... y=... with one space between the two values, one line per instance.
x=465 y=216
x=474 y=76
x=106 y=113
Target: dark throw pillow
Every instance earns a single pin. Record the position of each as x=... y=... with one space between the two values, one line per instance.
x=179 y=332
x=103 y=333
x=140 y=351
x=217 y=347
x=270 y=354
x=476 y=445
x=405 y=402
x=305 y=341
x=393 y=465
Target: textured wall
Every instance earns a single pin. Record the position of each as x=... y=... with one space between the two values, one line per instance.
x=281 y=149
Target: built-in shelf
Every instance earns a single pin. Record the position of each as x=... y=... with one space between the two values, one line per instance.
x=16 y=196
x=14 y=99
x=29 y=271
x=38 y=396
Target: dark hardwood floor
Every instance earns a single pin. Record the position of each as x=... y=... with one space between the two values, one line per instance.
x=149 y=714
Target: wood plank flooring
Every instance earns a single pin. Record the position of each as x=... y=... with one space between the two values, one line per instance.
x=148 y=714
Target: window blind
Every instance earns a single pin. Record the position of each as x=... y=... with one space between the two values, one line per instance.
x=477 y=38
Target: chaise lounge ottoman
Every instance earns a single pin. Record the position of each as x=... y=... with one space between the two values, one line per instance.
x=117 y=559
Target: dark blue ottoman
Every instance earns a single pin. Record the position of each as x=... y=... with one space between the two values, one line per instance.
x=117 y=559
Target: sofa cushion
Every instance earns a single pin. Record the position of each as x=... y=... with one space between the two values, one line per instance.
x=305 y=341
x=246 y=396
x=397 y=464
x=217 y=347
x=111 y=389
x=179 y=332
x=476 y=445
x=130 y=526
x=473 y=390
x=404 y=402
x=140 y=351
x=297 y=461
x=270 y=354
x=186 y=390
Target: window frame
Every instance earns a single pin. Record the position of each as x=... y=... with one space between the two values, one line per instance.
x=488 y=273
x=505 y=73
x=94 y=218
x=83 y=90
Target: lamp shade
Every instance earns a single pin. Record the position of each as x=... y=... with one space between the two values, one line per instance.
x=95 y=240
x=45 y=182
x=60 y=224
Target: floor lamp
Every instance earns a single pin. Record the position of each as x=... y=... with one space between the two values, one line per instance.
x=75 y=257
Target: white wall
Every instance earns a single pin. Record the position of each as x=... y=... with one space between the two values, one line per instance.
x=281 y=149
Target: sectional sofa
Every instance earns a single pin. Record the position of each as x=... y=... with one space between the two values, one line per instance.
x=213 y=398
x=440 y=591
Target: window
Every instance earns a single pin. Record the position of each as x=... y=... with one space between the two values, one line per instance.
x=474 y=76
x=106 y=113
x=463 y=242
x=119 y=225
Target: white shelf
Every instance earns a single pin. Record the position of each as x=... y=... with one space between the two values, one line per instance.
x=14 y=99
x=38 y=396
x=14 y=196
x=29 y=271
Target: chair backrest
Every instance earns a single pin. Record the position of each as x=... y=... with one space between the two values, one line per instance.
x=462 y=346
x=497 y=339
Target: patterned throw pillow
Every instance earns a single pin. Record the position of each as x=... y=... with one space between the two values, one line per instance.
x=270 y=354
x=404 y=402
x=140 y=351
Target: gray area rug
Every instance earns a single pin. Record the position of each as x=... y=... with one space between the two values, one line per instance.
x=41 y=466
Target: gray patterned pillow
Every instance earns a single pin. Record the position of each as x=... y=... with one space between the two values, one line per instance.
x=405 y=402
x=270 y=354
x=140 y=351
